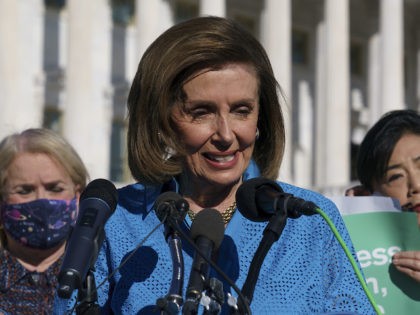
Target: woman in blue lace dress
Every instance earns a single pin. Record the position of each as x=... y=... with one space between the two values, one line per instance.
x=204 y=116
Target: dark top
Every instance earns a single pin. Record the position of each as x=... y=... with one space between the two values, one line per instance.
x=24 y=292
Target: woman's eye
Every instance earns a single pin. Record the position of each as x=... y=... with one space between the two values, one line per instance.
x=55 y=189
x=395 y=178
x=244 y=111
x=199 y=112
x=243 y=108
x=24 y=190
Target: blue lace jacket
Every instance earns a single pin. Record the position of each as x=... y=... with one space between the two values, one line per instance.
x=305 y=272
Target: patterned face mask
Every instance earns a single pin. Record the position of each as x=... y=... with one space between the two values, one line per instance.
x=40 y=224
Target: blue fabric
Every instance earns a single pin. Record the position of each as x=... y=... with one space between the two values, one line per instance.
x=305 y=272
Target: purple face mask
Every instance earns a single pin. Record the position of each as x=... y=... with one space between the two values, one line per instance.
x=40 y=224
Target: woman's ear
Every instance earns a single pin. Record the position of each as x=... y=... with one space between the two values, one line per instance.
x=78 y=192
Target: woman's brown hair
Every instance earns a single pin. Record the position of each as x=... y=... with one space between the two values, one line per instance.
x=169 y=62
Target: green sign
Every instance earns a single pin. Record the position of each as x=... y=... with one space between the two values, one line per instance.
x=376 y=237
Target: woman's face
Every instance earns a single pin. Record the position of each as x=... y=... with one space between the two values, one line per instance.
x=402 y=179
x=33 y=176
x=218 y=123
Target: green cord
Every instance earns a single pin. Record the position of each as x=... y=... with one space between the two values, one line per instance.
x=351 y=259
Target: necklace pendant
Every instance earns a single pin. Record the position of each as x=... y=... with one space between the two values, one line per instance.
x=226 y=215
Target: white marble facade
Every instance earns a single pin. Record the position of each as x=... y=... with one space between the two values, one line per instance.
x=68 y=65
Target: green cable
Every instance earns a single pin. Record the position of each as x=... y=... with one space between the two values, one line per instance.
x=351 y=259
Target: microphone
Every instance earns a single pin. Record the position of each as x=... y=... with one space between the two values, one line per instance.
x=171 y=209
x=97 y=203
x=258 y=199
x=207 y=231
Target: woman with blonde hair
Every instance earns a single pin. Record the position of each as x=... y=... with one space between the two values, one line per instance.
x=41 y=179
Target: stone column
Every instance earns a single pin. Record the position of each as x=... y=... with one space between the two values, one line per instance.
x=212 y=7
x=392 y=65
x=88 y=112
x=276 y=38
x=149 y=27
x=304 y=148
x=333 y=111
x=21 y=75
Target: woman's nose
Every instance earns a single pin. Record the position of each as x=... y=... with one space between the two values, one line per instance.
x=41 y=194
x=224 y=133
x=414 y=179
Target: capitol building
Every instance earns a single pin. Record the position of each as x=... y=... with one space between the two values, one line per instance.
x=68 y=66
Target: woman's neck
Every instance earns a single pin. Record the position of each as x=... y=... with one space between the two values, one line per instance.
x=35 y=259
x=207 y=195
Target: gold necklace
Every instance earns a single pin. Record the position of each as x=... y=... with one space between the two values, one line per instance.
x=226 y=215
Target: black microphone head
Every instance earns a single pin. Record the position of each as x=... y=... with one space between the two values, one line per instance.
x=101 y=189
x=258 y=199
x=170 y=204
x=209 y=223
x=97 y=203
x=246 y=198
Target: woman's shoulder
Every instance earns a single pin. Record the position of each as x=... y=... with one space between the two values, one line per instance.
x=133 y=215
x=137 y=197
x=135 y=203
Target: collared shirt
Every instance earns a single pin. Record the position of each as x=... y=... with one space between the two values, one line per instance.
x=26 y=292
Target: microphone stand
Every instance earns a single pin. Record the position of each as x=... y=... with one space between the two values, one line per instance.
x=213 y=301
x=172 y=302
x=271 y=234
x=88 y=296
